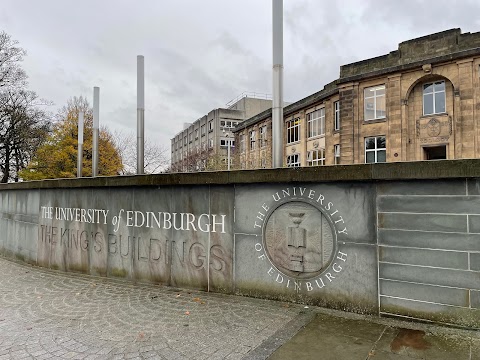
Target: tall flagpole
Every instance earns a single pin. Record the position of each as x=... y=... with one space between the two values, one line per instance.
x=140 y=114
x=80 y=144
x=96 y=121
x=277 y=106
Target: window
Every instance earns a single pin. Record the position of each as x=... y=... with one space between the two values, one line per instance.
x=196 y=134
x=224 y=142
x=190 y=137
x=316 y=123
x=336 y=122
x=203 y=130
x=252 y=140
x=375 y=149
x=336 y=154
x=293 y=130
x=210 y=125
x=242 y=143
x=210 y=143
x=374 y=102
x=434 y=98
x=228 y=124
x=185 y=140
x=316 y=157
x=263 y=136
x=293 y=160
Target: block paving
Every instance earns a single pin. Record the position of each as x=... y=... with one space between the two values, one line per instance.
x=51 y=315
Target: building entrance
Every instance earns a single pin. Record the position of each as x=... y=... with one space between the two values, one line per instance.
x=435 y=152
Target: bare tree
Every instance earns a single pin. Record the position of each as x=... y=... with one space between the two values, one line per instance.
x=155 y=155
x=11 y=74
x=24 y=126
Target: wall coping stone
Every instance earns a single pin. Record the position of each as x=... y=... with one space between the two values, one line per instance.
x=415 y=170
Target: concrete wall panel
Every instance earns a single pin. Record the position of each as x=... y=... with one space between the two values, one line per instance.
x=312 y=242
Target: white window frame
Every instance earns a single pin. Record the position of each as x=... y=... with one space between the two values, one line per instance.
x=376 y=150
x=375 y=98
x=336 y=119
x=293 y=130
x=293 y=160
x=316 y=157
x=210 y=143
x=433 y=97
x=336 y=153
x=210 y=125
x=203 y=132
x=316 y=123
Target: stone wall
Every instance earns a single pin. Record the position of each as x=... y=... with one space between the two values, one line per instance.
x=398 y=239
x=436 y=45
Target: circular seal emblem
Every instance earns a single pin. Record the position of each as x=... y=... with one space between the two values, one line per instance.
x=433 y=127
x=299 y=240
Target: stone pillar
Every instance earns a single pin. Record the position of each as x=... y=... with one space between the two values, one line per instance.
x=347 y=146
x=394 y=119
x=465 y=124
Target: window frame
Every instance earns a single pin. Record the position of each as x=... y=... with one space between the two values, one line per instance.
x=336 y=154
x=296 y=163
x=293 y=130
x=263 y=136
x=433 y=93
x=316 y=123
x=319 y=159
x=376 y=150
x=252 y=136
x=336 y=116
x=375 y=99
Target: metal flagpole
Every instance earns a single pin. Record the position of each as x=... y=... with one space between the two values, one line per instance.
x=277 y=108
x=80 y=144
x=140 y=114
x=96 y=115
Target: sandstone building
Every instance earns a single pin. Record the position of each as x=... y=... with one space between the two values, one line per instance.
x=204 y=143
x=420 y=102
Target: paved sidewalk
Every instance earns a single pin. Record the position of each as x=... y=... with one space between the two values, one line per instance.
x=352 y=337
x=51 y=315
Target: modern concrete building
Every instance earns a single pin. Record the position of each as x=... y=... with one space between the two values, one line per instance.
x=203 y=144
x=420 y=102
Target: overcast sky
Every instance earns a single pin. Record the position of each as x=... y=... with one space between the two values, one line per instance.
x=200 y=54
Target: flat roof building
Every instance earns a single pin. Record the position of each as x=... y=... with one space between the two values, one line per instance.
x=203 y=144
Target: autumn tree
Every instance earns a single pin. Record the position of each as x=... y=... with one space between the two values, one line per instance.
x=57 y=158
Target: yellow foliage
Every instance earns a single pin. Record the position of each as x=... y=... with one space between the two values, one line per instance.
x=57 y=158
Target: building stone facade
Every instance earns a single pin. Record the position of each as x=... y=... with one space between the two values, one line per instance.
x=203 y=144
x=420 y=102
